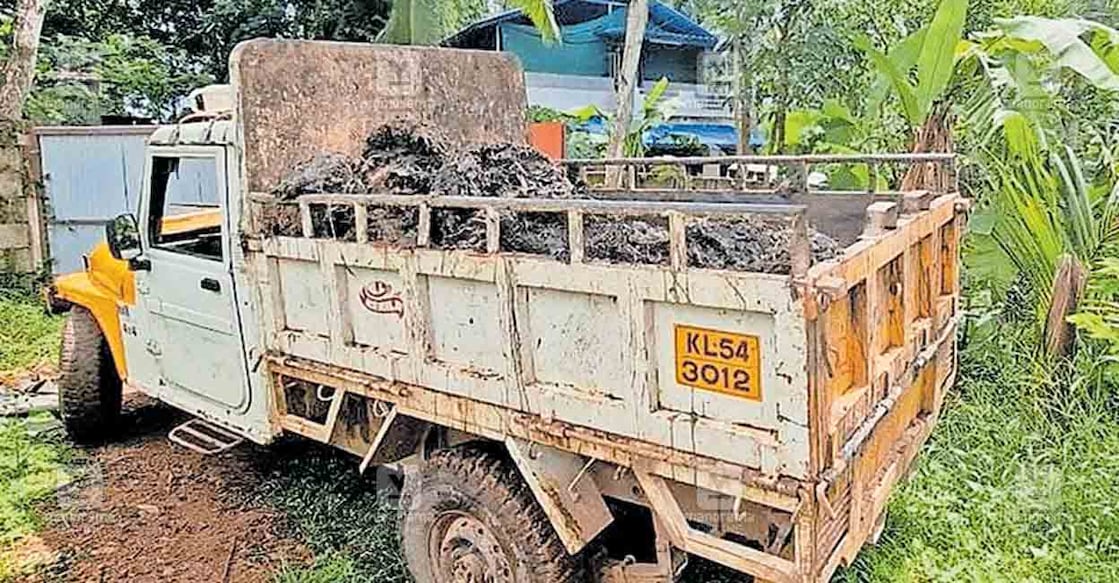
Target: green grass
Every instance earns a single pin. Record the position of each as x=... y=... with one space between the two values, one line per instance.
x=331 y=568
x=1019 y=483
x=28 y=336
x=33 y=464
x=338 y=514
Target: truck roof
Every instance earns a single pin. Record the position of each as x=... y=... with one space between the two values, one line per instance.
x=210 y=132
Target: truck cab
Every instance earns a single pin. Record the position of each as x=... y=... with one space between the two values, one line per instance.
x=168 y=293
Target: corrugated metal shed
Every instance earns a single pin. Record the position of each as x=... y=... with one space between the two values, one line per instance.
x=90 y=174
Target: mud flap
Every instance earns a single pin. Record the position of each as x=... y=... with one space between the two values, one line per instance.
x=560 y=482
x=398 y=437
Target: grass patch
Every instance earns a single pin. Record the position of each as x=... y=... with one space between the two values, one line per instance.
x=28 y=335
x=339 y=515
x=33 y=465
x=1019 y=482
x=329 y=569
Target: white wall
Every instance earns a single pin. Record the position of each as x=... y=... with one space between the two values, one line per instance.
x=570 y=92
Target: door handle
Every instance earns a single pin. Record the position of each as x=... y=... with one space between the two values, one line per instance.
x=210 y=284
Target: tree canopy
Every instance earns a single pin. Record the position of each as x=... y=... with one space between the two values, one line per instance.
x=140 y=57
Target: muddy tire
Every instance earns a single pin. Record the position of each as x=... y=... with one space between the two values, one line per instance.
x=466 y=515
x=89 y=390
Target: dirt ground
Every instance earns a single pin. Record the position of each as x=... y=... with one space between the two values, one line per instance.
x=148 y=510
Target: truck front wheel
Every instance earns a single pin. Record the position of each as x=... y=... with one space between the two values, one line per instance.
x=468 y=516
x=89 y=390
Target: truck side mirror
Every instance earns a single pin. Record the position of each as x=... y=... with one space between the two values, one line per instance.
x=123 y=235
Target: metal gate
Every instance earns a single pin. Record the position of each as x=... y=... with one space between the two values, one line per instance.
x=90 y=174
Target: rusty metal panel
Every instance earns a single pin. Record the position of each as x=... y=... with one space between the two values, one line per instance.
x=296 y=99
x=569 y=497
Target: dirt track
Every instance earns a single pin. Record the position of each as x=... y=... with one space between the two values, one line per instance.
x=148 y=510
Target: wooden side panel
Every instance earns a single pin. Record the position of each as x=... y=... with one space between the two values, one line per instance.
x=880 y=404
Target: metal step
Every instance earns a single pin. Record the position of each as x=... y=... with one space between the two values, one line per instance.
x=204 y=437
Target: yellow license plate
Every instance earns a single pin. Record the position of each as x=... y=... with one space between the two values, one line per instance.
x=723 y=362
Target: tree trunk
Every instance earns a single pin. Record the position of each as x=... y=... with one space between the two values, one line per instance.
x=19 y=70
x=637 y=17
x=933 y=137
x=1069 y=281
x=743 y=104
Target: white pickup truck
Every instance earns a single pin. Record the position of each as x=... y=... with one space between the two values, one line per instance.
x=542 y=410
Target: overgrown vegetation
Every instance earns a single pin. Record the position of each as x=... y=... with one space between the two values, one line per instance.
x=33 y=465
x=342 y=516
x=28 y=336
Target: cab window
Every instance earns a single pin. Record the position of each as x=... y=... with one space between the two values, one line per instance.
x=185 y=212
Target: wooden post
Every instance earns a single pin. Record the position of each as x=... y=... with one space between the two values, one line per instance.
x=493 y=230
x=800 y=248
x=306 y=223
x=677 y=241
x=880 y=217
x=575 y=240
x=423 y=236
x=361 y=222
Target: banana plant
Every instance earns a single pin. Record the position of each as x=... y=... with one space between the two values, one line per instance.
x=919 y=69
x=1042 y=203
x=655 y=110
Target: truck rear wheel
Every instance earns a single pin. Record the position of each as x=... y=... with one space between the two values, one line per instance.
x=89 y=390
x=468 y=516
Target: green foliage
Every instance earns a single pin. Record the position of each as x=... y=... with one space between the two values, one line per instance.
x=937 y=58
x=539 y=113
x=1098 y=318
x=32 y=467
x=1040 y=209
x=655 y=110
x=1095 y=57
x=28 y=336
x=932 y=52
x=341 y=516
x=1040 y=199
x=413 y=22
x=331 y=568
x=153 y=48
x=80 y=80
x=428 y=22
x=542 y=15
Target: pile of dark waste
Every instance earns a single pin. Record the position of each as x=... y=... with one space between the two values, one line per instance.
x=417 y=160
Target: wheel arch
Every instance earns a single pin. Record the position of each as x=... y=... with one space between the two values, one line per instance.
x=81 y=290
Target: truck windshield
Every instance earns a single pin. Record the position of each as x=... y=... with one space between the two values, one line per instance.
x=185 y=213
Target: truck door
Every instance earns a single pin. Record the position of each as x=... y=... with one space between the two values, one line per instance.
x=188 y=292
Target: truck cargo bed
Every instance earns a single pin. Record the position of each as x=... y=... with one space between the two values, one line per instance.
x=763 y=418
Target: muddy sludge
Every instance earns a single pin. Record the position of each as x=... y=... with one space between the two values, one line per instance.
x=415 y=160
